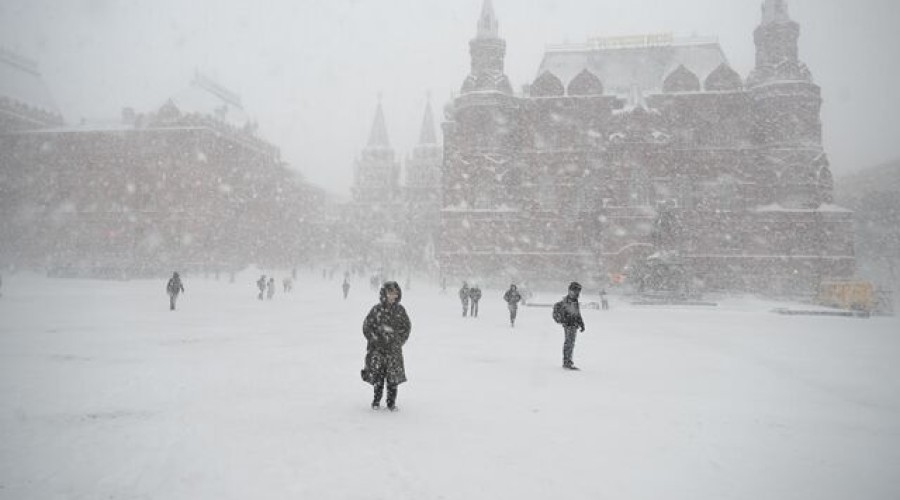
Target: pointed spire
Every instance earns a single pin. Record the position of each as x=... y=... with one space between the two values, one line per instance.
x=775 y=12
x=427 y=136
x=488 y=27
x=378 y=137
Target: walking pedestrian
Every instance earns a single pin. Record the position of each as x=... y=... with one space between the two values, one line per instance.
x=512 y=298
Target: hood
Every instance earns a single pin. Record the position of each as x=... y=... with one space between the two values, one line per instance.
x=382 y=294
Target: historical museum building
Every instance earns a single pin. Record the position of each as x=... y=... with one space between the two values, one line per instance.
x=642 y=158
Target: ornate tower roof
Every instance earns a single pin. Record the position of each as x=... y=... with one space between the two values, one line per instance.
x=775 y=12
x=427 y=136
x=378 y=137
x=777 y=53
x=487 y=50
x=488 y=26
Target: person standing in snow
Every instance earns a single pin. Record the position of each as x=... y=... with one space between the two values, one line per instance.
x=512 y=298
x=567 y=312
x=386 y=328
x=604 y=304
x=271 y=289
x=464 y=298
x=475 y=295
x=345 y=287
x=261 y=284
x=173 y=288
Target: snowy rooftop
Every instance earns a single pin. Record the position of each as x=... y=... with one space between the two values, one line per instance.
x=205 y=97
x=21 y=81
x=643 y=61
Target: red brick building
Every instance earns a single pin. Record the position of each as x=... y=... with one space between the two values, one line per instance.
x=634 y=151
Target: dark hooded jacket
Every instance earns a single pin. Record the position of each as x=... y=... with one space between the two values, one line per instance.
x=174 y=286
x=512 y=296
x=386 y=329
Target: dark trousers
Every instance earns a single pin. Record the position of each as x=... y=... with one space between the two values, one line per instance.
x=569 y=344
x=604 y=304
x=465 y=304
x=513 y=309
x=379 y=390
x=474 y=312
x=172 y=298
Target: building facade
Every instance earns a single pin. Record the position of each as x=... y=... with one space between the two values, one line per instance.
x=189 y=186
x=645 y=158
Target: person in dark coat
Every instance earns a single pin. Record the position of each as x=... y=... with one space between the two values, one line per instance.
x=464 y=298
x=173 y=288
x=271 y=289
x=512 y=298
x=261 y=284
x=386 y=329
x=346 y=288
x=567 y=312
x=475 y=296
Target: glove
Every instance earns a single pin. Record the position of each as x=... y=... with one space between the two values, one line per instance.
x=582 y=328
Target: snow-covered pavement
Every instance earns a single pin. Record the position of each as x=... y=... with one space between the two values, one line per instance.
x=105 y=393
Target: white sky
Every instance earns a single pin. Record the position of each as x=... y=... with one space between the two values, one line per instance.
x=310 y=71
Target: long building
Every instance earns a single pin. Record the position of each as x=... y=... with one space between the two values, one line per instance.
x=647 y=158
x=189 y=186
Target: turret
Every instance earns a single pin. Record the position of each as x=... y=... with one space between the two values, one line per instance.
x=787 y=102
x=488 y=51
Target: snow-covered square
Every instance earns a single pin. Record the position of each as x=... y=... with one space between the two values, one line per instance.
x=105 y=393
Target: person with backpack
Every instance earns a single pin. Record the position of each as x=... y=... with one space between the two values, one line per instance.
x=386 y=329
x=567 y=312
x=512 y=298
x=173 y=288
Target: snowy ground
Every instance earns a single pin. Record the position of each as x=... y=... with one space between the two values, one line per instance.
x=104 y=393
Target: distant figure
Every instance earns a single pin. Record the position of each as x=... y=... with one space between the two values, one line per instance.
x=261 y=284
x=604 y=304
x=475 y=296
x=173 y=288
x=288 y=285
x=567 y=312
x=346 y=288
x=443 y=284
x=386 y=329
x=464 y=298
x=270 y=292
x=512 y=298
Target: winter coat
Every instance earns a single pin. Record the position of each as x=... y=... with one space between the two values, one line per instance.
x=174 y=286
x=464 y=294
x=386 y=329
x=475 y=294
x=569 y=312
x=512 y=297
